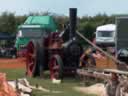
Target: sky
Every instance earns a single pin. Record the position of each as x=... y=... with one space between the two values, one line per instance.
x=84 y=7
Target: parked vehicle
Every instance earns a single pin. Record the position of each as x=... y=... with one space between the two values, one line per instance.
x=33 y=28
x=7 y=48
x=105 y=35
x=8 y=52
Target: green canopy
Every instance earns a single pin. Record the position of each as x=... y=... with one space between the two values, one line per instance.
x=45 y=22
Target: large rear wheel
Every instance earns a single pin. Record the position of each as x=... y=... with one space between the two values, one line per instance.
x=34 y=62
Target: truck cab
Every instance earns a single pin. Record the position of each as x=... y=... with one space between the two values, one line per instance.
x=25 y=33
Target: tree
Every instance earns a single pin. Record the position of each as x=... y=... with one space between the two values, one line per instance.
x=7 y=22
x=20 y=20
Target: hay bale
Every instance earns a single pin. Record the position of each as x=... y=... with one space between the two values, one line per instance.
x=97 y=89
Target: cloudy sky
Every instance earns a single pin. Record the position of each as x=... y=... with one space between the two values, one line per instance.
x=85 y=7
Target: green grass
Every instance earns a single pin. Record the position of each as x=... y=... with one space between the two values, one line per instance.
x=66 y=87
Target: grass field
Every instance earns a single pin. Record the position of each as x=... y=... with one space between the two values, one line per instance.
x=65 y=88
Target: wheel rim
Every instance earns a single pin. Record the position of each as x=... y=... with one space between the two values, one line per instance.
x=31 y=57
x=54 y=68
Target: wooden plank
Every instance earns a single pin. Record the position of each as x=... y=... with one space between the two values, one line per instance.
x=95 y=74
x=100 y=74
x=116 y=71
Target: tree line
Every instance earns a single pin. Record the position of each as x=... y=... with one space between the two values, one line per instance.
x=9 y=22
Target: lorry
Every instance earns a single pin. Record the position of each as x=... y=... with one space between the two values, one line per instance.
x=32 y=28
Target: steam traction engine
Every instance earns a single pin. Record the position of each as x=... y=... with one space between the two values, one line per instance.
x=52 y=51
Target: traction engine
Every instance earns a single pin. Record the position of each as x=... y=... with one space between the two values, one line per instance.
x=55 y=53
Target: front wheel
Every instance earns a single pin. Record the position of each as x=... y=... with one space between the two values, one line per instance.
x=56 y=67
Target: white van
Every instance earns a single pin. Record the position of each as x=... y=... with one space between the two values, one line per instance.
x=105 y=35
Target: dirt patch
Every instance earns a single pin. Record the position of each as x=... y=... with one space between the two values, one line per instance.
x=12 y=63
x=97 y=89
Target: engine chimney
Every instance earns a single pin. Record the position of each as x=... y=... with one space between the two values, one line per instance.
x=72 y=22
